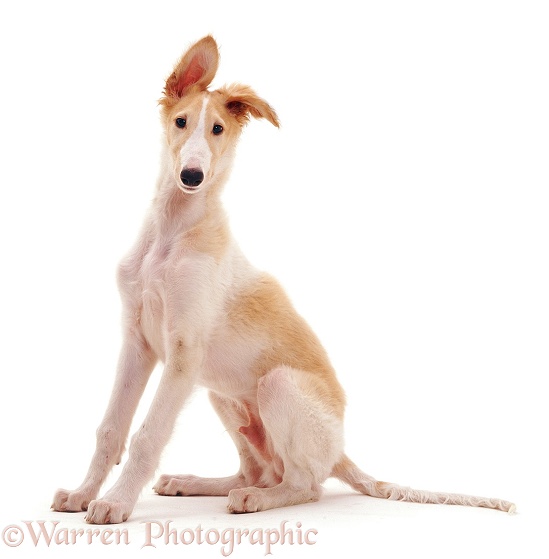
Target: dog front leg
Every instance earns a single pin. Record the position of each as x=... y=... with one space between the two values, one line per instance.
x=135 y=365
x=148 y=442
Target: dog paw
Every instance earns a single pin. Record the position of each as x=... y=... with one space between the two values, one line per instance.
x=71 y=501
x=103 y=511
x=174 y=485
x=248 y=499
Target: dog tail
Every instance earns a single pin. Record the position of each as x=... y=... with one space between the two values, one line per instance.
x=348 y=472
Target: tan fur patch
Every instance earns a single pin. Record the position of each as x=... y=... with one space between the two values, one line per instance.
x=264 y=307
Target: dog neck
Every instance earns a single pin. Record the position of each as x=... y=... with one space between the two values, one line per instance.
x=177 y=213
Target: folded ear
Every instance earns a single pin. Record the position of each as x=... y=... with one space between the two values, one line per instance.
x=196 y=68
x=241 y=102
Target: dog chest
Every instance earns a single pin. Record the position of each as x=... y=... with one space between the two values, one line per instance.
x=175 y=290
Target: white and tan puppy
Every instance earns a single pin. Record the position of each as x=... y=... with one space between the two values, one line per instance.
x=192 y=301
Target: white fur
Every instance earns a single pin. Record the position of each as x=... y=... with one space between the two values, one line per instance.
x=196 y=153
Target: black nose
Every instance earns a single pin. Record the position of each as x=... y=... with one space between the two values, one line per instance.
x=192 y=177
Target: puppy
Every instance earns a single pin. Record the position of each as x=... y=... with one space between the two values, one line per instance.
x=192 y=301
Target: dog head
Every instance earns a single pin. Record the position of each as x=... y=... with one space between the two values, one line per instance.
x=202 y=126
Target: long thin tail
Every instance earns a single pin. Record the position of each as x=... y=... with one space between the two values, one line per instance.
x=348 y=472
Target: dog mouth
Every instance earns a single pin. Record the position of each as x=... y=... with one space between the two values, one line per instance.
x=188 y=189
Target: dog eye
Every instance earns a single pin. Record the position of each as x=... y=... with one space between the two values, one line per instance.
x=180 y=122
x=217 y=129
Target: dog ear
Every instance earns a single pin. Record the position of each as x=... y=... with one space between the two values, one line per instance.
x=241 y=102
x=196 y=68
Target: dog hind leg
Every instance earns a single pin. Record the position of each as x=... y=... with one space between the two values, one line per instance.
x=233 y=415
x=301 y=431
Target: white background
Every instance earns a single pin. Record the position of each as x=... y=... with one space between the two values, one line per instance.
x=403 y=204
